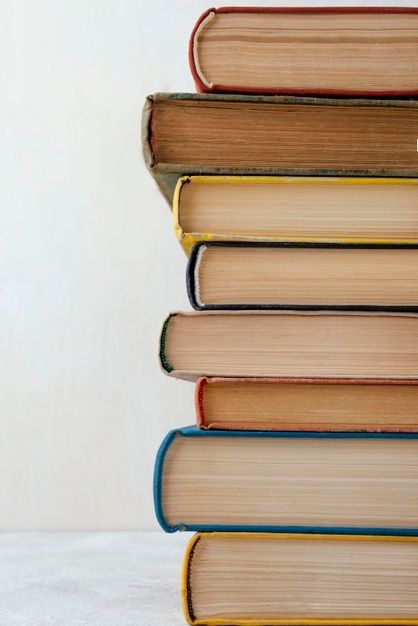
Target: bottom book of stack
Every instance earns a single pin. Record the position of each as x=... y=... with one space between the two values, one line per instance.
x=266 y=579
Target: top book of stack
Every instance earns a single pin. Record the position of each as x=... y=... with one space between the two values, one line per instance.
x=356 y=51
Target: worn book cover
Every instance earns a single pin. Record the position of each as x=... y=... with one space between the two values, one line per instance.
x=196 y=134
x=359 y=42
x=307 y=404
x=352 y=209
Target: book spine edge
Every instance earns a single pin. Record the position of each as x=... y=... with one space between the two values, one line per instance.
x=165 y=365
x=157 y=482
x=191 y=286
x=199 y=402
x=200 y=85
x=146 y=143
x=186 y=594
x=181 y=236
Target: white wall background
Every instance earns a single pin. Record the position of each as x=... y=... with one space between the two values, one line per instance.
x=89 y=266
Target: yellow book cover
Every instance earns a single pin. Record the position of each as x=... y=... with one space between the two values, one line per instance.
x=295 y=209
x=300 y=580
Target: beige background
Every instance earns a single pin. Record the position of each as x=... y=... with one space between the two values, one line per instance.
x=89 y=266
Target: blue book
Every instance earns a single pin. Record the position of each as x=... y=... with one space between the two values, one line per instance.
x=314 y=482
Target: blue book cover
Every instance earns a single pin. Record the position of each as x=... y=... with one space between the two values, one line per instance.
x=391 y=486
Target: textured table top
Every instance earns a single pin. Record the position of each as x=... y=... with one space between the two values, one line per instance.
x=91 y=578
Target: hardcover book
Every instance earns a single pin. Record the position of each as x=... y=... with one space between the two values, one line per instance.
x=322 y=50
x=307 y=404
x=287 y=481
x=295 y=208
x=290 y=344
x=276 y=579
x=289 y=275
x=185 y=134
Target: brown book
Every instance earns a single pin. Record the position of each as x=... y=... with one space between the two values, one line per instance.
x=276 y=135
x=289 y=344
x=307 y=404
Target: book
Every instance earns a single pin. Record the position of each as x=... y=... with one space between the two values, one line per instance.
x=307 y=404
x=186 y=134
x=277 y=579
x=295 y=208
x=287 y=481
x=290 y=344
x=306 y=50
x=312 y=276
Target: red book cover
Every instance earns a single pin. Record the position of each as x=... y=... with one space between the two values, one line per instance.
x=307 y=404
x=408 y=60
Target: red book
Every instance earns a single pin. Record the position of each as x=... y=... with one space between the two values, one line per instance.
x=307 y=404
x=345 y=51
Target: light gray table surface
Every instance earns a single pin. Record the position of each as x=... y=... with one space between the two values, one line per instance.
x=91 y=578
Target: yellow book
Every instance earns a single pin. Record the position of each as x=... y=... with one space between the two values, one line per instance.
x=285 y=579
x=296 y=209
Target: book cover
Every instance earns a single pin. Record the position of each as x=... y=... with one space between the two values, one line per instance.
x=220 y=343
x=386 y=394
x=194 y=432
x=202 y=84
x=194 y=284
x=167 y=172
x=188 y=580
x=188 y=239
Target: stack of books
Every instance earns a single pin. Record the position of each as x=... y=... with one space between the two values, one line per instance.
x=293 y=179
